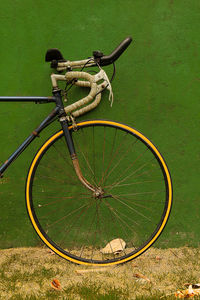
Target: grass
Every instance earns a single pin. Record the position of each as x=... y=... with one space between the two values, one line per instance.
x=27 y=273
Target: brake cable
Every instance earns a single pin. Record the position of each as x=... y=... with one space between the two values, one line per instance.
x=71 y=83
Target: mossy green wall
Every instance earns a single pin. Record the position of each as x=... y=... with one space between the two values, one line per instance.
x=156 y=90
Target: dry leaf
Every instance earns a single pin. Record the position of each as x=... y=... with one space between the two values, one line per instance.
x=158 y=257
x=114 y=247
x=189 y=293
x=56 y=284
x=141 y=276
x=50 y=251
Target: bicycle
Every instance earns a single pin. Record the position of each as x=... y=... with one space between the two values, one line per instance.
x=112 y=186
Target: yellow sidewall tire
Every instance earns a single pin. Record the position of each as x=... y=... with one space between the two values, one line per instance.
x=106 y=123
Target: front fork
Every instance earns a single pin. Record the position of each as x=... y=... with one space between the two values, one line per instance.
x=70 y=144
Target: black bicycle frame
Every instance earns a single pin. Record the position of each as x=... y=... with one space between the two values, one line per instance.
x=57 y=111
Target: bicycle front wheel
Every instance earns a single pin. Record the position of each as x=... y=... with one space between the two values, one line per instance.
x=119 y=223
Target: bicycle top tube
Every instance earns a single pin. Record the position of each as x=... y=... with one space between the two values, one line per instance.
x=36 y=99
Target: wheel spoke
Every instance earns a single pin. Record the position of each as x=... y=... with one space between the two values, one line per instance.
x=131 y=208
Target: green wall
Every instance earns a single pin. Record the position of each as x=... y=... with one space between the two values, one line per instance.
x=156 y=90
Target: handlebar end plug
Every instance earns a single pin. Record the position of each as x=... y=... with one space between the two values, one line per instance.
x=54 y=64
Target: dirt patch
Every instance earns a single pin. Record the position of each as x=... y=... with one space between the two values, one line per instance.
x=26 y=272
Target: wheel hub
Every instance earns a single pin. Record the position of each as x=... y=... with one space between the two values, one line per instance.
x=98 y=193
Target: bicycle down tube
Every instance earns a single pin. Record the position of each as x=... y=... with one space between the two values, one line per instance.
x=34 y=133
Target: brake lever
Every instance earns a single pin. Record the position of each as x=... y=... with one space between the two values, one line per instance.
x=102 y=75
